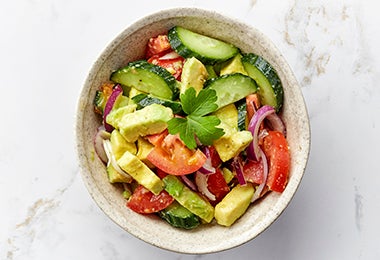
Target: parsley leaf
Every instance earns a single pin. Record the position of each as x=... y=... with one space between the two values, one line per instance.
x=197 y=124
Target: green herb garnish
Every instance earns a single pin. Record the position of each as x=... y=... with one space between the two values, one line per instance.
x=197 y=123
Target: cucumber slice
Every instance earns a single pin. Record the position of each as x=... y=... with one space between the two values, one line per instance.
x=148 y=78
x=206 y=49
x=231 y=88
x=143 y=100
x=269 y=84
x=179 y=216
x=241 y=106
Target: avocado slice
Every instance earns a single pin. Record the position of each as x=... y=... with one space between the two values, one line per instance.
x=149 y=120
x=188 y=198
x=140 y=172
x=234 y=204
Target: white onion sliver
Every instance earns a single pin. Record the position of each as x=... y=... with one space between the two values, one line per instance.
x=254 y=125
x=169 y=56
x=112 y=160
x=260 y=188
x=101 y=134
x=201 y=181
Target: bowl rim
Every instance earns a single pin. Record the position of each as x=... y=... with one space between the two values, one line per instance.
x=102 y=201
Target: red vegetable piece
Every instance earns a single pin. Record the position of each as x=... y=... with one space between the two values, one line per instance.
x=254 y=171
x=275 y=147
x=217 y=185
x=174 y=66
x=144 y=201
x=173 y=157
x=157 y=45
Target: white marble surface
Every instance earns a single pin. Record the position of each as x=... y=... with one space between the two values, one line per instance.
x=47 y=47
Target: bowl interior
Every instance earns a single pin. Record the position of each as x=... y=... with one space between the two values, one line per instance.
x=129 y=46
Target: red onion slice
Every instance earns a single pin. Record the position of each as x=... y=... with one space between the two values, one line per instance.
x=101 y=134
x=254 y=125
x=207 y=167
x=276 y=123
x=117 y=90
x=238 y=167
x=188 y=182
x=201 y=181
x=260 y=188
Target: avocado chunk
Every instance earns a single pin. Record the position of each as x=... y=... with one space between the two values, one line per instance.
x=188 y=198
x=120 y=145
x=194 y=74
x=113 y=118
x=140 y=172
x=149 y=120
x=229 y=115
x=234 y=65
x=143 y=149
x=233 y=141
x=234 y=204
x=114 y=176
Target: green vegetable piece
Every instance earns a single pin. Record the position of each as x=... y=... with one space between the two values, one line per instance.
x=120 y=145
x=188 y=198
x=234 y=65
x=115 y=177
x=231 y=88
x=194 y=74
x=143 y=100
x=179 y=216
x=242 y=114
x=206 y=49
x=232 y=142
x=234 y=204
x=269 y=84
x=148 y=78
x=149 y=120
x=140 y=172
x=197 y=123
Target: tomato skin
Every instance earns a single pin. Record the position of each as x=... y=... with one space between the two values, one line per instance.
x=213 y=154
x=275 y=147
x=217 y=185
x=253 y=103
x=156 y=139
x=157 y=45
x=144 y=201
x=174 y=66
x=254 y=171
x=173 y=157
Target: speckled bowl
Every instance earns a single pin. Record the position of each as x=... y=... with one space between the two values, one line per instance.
x=129 y=46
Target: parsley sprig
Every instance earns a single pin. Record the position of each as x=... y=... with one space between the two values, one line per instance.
x=198 y=123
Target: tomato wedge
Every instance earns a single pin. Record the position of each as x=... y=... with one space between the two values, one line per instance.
x=144 y=201
x=157 y=45
x=174 y=66
x=173 y=157
x=254 y=171
x=276 y=150
x=217 y=185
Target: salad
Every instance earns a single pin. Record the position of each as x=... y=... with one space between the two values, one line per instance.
x=192 y=132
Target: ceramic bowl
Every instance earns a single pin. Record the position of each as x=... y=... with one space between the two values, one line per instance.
x=130 y=46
